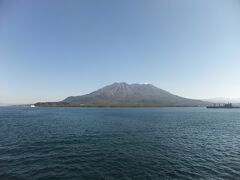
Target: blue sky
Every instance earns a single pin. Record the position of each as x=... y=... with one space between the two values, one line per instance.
x=52 y=49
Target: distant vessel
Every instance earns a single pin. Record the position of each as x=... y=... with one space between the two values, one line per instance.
x=228 y=105
x=32 y=106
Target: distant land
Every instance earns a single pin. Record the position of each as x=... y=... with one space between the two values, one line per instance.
x=127 y=95
x=224 y=100
x=4 y=104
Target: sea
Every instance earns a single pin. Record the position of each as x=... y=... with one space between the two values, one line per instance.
x=119 y=143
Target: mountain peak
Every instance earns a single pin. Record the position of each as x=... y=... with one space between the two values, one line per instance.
x=126 y=89
x=130 y=84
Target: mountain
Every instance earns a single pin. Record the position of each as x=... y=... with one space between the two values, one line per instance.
x=127 y=95
x=4 y=104
x=224 y=100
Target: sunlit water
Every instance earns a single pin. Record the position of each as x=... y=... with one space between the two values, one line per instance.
x=118 y=143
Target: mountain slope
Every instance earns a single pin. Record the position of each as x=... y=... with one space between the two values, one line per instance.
x=127 y=95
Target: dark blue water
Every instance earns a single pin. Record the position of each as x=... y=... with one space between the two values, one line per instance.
x=150 y=143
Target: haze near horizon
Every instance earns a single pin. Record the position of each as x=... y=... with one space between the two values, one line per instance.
x=50 y=50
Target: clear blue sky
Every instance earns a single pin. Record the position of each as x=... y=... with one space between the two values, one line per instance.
x=50 y=49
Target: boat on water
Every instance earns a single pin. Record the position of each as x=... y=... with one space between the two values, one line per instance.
x=32 y=106
x=225 y=106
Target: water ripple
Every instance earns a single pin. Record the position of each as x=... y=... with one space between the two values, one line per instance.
x=152 y=143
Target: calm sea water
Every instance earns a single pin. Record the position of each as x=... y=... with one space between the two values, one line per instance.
x=131 y=143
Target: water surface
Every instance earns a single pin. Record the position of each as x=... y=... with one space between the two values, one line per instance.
x=119 y=143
